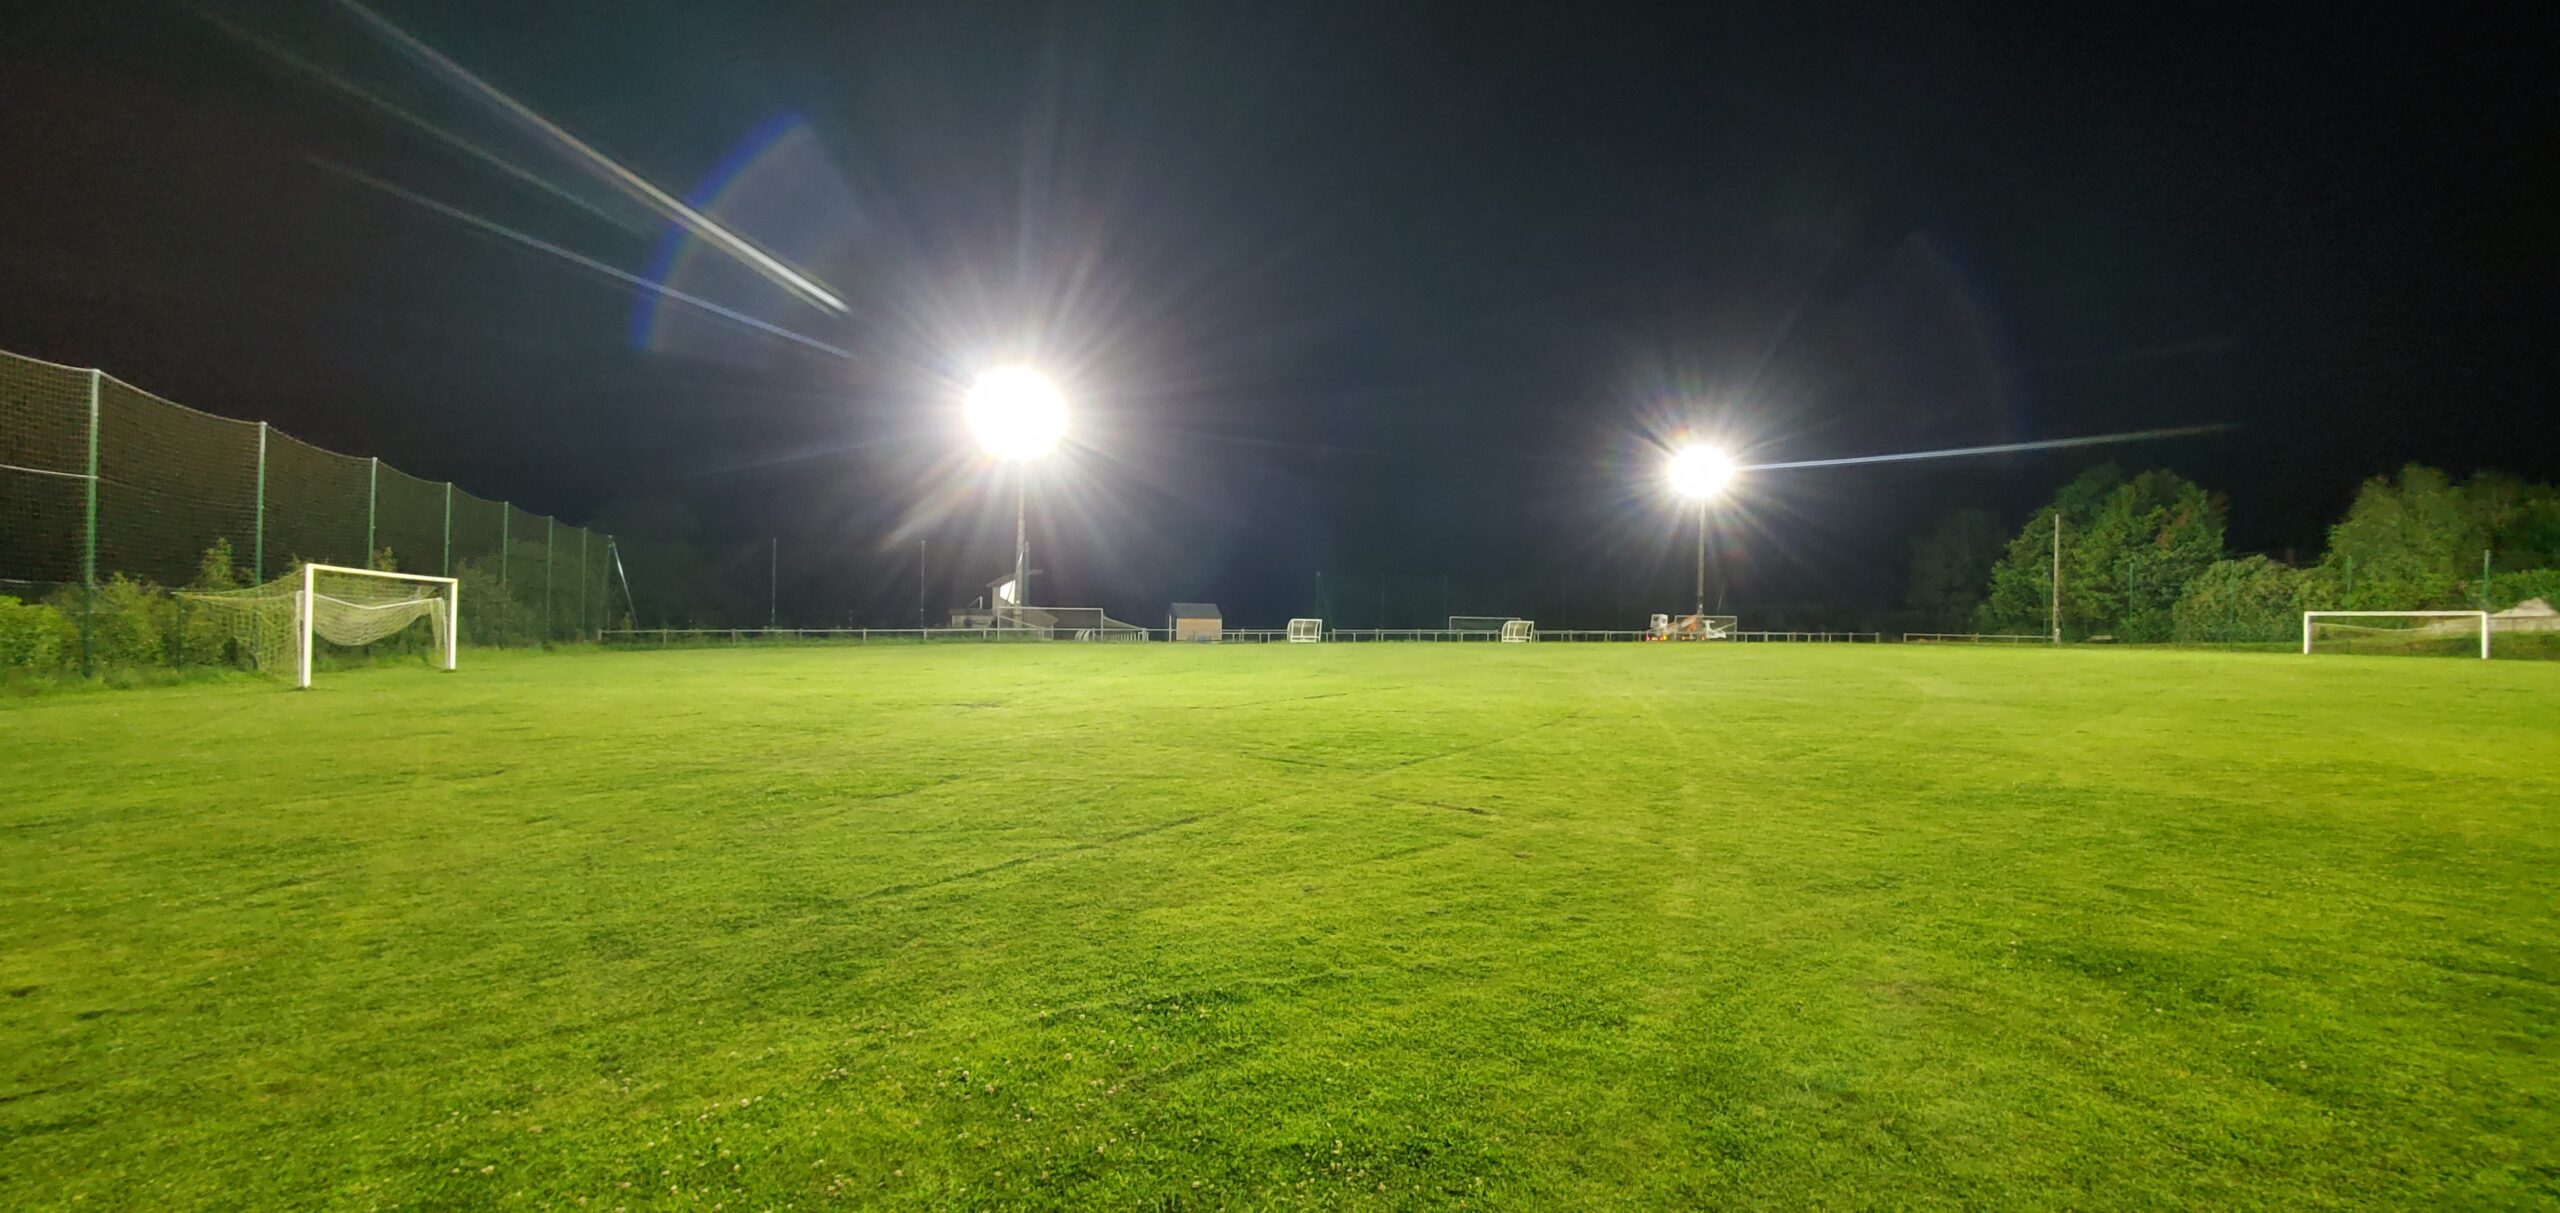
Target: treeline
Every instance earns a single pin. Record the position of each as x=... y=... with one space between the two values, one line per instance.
x=126 y=624
x=2143 y=560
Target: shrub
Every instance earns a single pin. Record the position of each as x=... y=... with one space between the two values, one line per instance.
x=129 y=623
x=2232 y=601
x=35 y=637
x=2508 y=589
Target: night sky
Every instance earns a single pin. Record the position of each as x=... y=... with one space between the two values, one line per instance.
x=1365 y=288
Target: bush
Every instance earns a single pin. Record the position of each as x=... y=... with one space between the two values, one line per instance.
x=2240 y=601
x=2508 y=589
x=35 y=637
x=129 y=622
x=202 y=636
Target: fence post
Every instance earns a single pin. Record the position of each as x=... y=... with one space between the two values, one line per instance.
x=372 y=503
x=258 y=528
x=448 y=530
x=506 y=520
x=547 y=621
x=582 y=585
x=89 y=540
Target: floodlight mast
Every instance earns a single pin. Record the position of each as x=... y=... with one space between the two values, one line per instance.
x=1021 y=540
x=1018 y=416
x=1701 y=473
x=1701 y=608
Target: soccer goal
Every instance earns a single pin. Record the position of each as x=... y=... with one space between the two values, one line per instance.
x=2397 y=633
x=279 y=624
x=1697 y=627
x=1306 y=631
x=1478 y=627
x=1518 y=631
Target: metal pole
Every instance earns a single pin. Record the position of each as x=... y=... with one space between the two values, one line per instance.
x=773 y=586
x=2054 y=612
x=923 y=555
x=583 y=618
x=613 y=551
x=1021 y=540
x=89 y=543
x=1702 y=558
x=548 y=525
x=372 y=504
x=448 y=530
x=258 y=542
x=506 y=520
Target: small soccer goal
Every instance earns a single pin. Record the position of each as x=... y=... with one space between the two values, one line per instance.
x=1695 y=627
x=278 y=625
x=1518 y=631
x=1306 y=631
x=2397 y=633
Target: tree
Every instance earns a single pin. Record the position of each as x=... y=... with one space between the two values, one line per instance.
x=2129 y=548
x=2022 y=582
x=2405 y=545
x=2156 y=533
x=1949 y=567
x=2250 y=599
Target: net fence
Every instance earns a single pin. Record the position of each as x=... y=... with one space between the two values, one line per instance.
x=114 y=501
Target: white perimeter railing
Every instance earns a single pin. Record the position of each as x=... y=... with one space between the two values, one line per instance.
x=675 y=636
x=1973 y=638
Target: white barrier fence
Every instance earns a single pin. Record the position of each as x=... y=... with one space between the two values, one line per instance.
x=1973 y=638
x=675 y=637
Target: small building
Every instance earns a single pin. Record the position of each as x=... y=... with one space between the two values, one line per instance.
x=1196 y=621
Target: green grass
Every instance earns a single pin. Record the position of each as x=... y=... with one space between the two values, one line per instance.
x=1553 y=926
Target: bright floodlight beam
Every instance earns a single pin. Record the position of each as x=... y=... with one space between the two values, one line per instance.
x=1701 y=473
x=1018 y=415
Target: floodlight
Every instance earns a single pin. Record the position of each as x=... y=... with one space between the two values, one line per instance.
x=1700 y=472
x=1016 y=413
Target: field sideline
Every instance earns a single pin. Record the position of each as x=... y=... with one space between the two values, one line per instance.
x=1551 y=926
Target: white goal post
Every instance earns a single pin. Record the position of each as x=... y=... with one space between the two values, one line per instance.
x=1306 y=631
x=2315 y=622
x=278 y=625
x=1518 y=631
x=1695 y=627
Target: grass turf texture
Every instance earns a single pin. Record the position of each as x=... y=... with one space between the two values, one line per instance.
x=1339 y=926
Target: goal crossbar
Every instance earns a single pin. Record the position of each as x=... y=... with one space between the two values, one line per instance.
x=2309 y=618
x=306 y=612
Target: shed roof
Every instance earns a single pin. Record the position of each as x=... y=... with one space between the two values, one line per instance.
x=1197 y=610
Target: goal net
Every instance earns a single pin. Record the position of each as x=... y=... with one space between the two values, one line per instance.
x=1518 y=631
x=2397 y=633
x=1474 y=627
x=278 y=625
x=1695 y=627
x=1066 y=623
x=1306 y=631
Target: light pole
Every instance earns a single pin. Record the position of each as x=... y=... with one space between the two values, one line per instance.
x=1018 y=416
x=1700 y=473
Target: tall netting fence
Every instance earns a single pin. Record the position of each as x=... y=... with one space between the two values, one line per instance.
x=113 y=501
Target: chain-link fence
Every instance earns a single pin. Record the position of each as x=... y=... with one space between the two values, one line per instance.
x=110 y=496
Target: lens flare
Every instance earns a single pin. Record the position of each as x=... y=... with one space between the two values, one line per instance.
x=1700 y=472
x=1016 y=413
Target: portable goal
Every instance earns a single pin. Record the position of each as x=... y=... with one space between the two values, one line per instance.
x=280 y=623
x=2397 y=633
x=1696 y=627
x=1306 y=631
x=1518 y=631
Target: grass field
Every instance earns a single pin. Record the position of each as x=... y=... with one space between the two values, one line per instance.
x=1553 y=926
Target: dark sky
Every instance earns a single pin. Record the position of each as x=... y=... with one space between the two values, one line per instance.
x=1366 y=288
